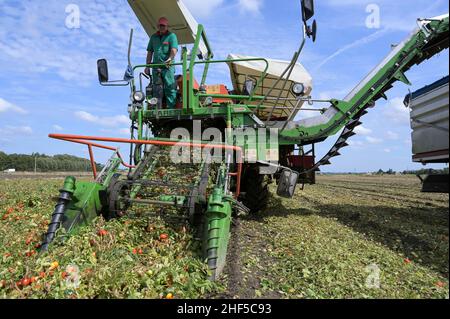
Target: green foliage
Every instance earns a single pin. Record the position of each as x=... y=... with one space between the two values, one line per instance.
x=388 y=172
x=45 y=163
x=348 y=236
x=123 y=258
x=425 y=171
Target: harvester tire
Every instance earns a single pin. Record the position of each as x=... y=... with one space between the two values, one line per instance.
x=116 y=207
x=256 y=188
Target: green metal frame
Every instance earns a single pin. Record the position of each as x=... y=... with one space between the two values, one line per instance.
x=391 y=72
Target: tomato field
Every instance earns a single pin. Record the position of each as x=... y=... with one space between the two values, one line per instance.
x=126 y=258
x=346 y=237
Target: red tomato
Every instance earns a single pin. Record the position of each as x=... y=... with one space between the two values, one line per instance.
x=26 y=281
x=440 y=284
x=163 y=236
x=102 y=232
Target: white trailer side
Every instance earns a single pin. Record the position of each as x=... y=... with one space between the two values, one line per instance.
x=430 y=122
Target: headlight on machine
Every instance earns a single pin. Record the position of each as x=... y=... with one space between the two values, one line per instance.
x=298 y=89
x=153 y=101
x=139 y=96
x=208 y=100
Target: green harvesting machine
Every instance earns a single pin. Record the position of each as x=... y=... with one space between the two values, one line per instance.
x=214 y=154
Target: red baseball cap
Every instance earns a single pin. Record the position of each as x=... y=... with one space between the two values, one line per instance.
x=163 y=21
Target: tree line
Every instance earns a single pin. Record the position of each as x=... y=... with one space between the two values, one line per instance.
x=423 y=171
x=45 y=163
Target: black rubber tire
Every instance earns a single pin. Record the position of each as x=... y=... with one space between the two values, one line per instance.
x=115 y=207
x=256 y=188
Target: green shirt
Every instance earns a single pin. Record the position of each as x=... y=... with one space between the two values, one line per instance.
x=161 y=45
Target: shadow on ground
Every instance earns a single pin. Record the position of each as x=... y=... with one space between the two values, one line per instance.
x=421 y=234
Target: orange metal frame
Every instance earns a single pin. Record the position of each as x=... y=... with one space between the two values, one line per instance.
x=88 y=140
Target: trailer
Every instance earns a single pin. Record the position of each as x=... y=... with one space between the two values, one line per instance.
x=429 y=113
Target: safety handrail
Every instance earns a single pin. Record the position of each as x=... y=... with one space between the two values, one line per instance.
x=207 y=62
x=88 y=140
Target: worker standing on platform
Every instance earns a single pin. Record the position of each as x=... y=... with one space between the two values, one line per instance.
x=162 y=49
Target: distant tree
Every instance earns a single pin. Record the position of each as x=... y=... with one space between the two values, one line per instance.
x=390 y=172
x=45 y=163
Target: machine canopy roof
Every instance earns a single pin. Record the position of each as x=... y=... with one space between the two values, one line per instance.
x=181 y=21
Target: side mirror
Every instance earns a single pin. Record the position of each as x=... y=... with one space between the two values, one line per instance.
x=287 y=183
x=308 y=13
x=102 y=70
x=307 y=9
x=312 y=32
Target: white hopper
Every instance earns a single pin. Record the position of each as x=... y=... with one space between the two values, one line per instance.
x=181 y=21
x=253 y=69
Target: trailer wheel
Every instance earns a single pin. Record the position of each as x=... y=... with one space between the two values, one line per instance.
x=256 y=189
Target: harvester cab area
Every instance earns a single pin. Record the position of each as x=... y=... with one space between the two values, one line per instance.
x=265 y=93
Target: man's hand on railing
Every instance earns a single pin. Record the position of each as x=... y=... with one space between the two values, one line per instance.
x=168 y=62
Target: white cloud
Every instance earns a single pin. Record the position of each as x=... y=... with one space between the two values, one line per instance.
x=201 y=8
x=36 y=40
x=373 y=140
x=387 y=150
x=4 y=140
x=109 y=121
x=11 y=130
x=343 y=3
x=252 y=6
x=392 y=135
x=121 y=131
x=356 y=144
x=354 y=44
x=333 y=94
x=6 y=106
x=57 y=127
x=361 y=130
x=397 y=112
x=390 y=11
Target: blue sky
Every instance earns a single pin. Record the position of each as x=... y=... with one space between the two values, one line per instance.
x=48 y=80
